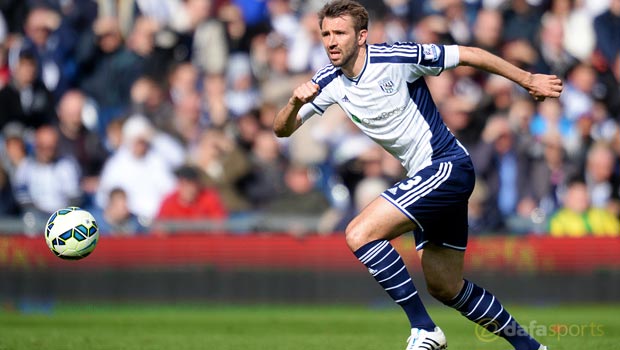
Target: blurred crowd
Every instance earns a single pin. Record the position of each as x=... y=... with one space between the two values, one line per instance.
x=160 y=111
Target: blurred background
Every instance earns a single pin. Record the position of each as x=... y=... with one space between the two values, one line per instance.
x=156 y=117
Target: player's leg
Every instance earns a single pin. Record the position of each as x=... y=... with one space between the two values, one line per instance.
x=368 y=236
x=419 y=204
x=443 y=271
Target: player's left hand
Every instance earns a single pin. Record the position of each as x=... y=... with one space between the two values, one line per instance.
x=541 y=86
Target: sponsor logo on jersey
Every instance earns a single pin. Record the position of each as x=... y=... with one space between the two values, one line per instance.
x=355 y=118
x=381 y=116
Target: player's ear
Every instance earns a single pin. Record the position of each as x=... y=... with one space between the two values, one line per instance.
x=362 y=36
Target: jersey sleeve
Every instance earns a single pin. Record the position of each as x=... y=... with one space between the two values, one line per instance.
x=307 y=111
x=323 y=100
x=434 y=59
x=417 y=59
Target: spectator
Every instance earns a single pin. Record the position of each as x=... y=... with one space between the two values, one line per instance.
x=78 y=16
x=5 y=75
x=77 y=141
x=137 y=168
x=43 y=31
x=187 y=123
x=553 y=57
x=225 y=164
x=114 y=135
x=580 y=141
x=15 y=13
x=309 y=52
x=368 y=163
x=8 y=204
x=578 y=23
x=604 y=125
x=614 y=142
x=456 y=113
x=141 y=41
x=607 y=87
x=550 y=118
x=501 y=162
x=600 y=179
x=365 y=192
x=459 y=25
x=214 y=97
x=26 y=99
x=246 y=129
x=116 y=218
x=149 y=98
x=577 y=98
x=520 y=116
x=521 y=21
x=487 y=31
x=47 y=181
x=107 y=67
x=266 y=114
x=237 y=33
x=276 y=78
x=177 y=21
x=552 y=172
x=607 y=29
x=210 y=48
x=164 y=12
x=191 y=200
x=477 y=219
x=429 y=29
x=14 y=148
x=171 y=148
x=521 y=53
x=577 y=218
x=255 y=12
x=284 y=21
x=182 y=80
x=498 y=96
x=264 y=182
x=300 y=197
x=241 y=93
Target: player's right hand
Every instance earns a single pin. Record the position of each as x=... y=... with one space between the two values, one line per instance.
x=305 y=93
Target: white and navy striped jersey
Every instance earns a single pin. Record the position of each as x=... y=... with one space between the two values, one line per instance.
x=390 y=102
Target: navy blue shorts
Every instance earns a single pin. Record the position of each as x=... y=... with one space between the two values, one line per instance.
x=435 y=199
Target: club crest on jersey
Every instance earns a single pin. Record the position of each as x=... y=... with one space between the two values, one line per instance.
x=387 y=86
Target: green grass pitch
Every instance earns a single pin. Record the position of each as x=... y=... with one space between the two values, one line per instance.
x=278 y=327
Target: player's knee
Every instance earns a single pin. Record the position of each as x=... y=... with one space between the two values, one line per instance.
x=442 y=290
x=355 y=235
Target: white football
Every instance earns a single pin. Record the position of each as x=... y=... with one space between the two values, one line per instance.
x=71 y=233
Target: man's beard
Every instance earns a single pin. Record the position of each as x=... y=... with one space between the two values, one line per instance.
x=346 y=58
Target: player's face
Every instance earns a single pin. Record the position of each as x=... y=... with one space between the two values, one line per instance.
x=341 y=41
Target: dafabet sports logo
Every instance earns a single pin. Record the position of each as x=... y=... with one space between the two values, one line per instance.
x=487 y=330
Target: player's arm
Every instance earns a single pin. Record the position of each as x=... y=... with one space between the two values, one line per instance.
x=288 y=119
x=539 y=86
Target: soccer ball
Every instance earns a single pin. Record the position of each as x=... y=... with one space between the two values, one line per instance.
x=71 y=233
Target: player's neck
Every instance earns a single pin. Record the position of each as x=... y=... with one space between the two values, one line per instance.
x=353 y=70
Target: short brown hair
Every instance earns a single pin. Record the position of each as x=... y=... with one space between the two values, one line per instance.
x=339 y=8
